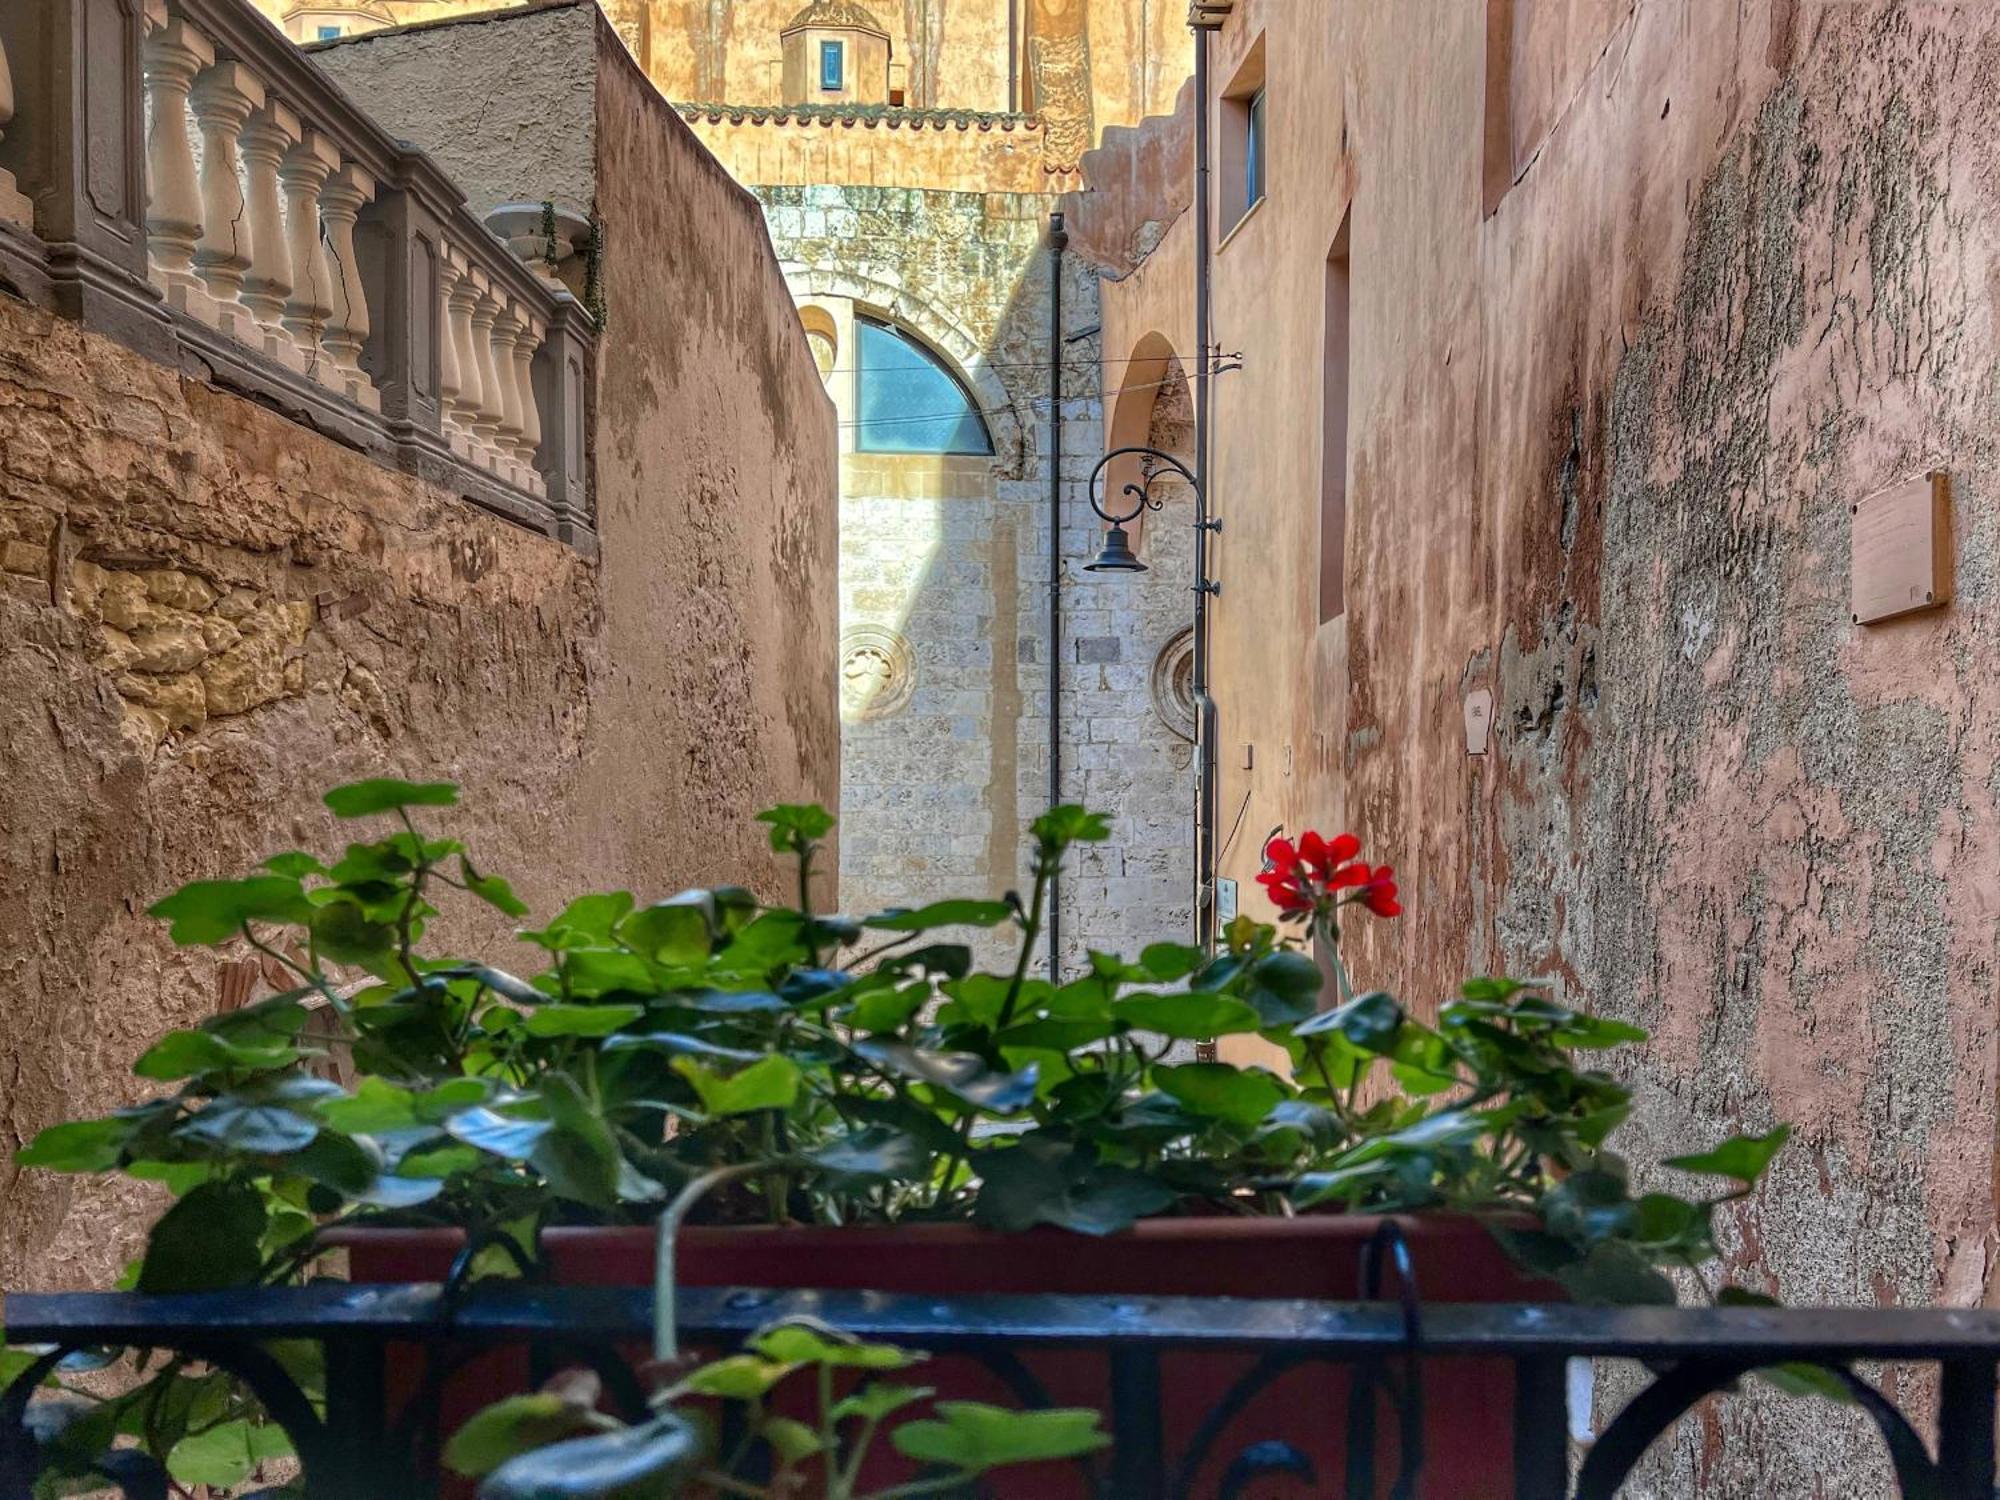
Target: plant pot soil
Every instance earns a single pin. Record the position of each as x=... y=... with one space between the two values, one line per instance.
x=1468 y=1402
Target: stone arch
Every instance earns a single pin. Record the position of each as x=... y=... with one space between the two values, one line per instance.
x=1153 y=409
x=945 y=334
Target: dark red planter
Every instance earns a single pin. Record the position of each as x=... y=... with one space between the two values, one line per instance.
x=1468 y=1402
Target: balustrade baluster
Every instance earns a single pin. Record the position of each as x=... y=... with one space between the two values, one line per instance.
x=224 y=97
x=270 y=134
x=465 y=403
x=14 y=205
x=347 y=331
x=527 y=339
x=505 y=331
x=449 y=275
x=174 y=53
x=303 y=174
x=492 y=402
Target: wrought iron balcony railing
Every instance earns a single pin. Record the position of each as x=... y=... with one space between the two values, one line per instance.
x=356 y=1449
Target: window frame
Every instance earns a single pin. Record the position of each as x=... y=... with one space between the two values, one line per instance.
x=1256 y=170
x=832 y=65
x=866 y=324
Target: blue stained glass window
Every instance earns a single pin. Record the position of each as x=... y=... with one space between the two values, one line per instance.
x=910 y=402
x=832 y=65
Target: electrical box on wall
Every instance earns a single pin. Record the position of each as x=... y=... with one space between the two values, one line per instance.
x=1901 y=549
x=1225 y=900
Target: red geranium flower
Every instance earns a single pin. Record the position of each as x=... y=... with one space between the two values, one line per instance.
x=1304 y=877
x=1378 y=893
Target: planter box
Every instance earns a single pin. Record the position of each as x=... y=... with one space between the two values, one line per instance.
x=1468 y=1402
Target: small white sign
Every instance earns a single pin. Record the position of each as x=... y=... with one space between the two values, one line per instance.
x=1225 y=900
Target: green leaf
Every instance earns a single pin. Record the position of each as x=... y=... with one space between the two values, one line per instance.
x=581 y=1020
x=502 y=1135
x=740 y=1377
x=1219 y=1091
x=586 y=922
x=213 y=911
x=1283 y=987
x=205 y=1241
x=941 y=914
x=963 y=1074
x=85 y=1146
x=875 y=1152
x=491 y=889
x=805 y=1341
x=790 y=1439
x=360 y=798
x=233 y=1124
x=225 y=1454
x=339 y=1162
x=1743 y=1157
x=638 y=1463
x=972 y=1437
x=580 y=1157
x=889 y=1009
x=1042 y=1181
x=796 y=824
x=1614 y=1274
x=1371 y=1022
x=516 y=1425
x=1166 y=962
x=679 y=931
x=345 y=933
x=877 y=1400
x=1059 y=827
x=1191 y=1016
x=978 y=999
x=187 y=1054
x=770 y=1084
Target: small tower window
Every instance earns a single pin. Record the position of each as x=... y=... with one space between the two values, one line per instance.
x=832 y=66
x=329 y=33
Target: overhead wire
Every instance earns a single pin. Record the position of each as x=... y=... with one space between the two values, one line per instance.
x=1034 y=402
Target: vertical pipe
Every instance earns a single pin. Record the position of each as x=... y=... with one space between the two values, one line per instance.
x=1058 y=240
x=1204 y=797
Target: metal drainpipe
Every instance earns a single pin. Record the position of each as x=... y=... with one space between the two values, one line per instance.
x=1204 y=809
x=1058 y=240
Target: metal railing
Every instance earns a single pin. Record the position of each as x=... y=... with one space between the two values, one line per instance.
x=358 y=1448
x=177 y=175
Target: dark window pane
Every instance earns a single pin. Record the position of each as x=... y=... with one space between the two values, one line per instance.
x=830 y=70
x=909 y=402
x=1253 y=169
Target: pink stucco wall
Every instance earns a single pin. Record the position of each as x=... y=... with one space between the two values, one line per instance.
x=1605 y=439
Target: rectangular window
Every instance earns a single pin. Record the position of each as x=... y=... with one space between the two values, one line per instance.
x=328 y=33
x=1253 y=155
x=1244 y=154
x=832 y=65
x=1335 y=364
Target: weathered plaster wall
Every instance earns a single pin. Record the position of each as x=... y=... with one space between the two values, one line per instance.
x=1603 y=447
x=208 y=615
x=504 y=102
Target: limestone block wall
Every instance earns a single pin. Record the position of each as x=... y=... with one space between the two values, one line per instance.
x=944 y=578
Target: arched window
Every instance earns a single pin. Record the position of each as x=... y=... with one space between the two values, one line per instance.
x=908 y=401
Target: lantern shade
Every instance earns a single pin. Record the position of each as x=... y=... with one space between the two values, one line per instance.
x=1117 y=556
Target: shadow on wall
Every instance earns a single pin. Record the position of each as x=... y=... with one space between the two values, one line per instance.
x=944 y=646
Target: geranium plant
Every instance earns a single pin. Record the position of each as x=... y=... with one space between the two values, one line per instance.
x=719 y=1057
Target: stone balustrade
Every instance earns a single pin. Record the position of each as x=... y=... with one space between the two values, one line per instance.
x=176 y=174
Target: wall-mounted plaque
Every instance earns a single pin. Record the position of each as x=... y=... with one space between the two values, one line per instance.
x=1478 y=720
x=1902 y=549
